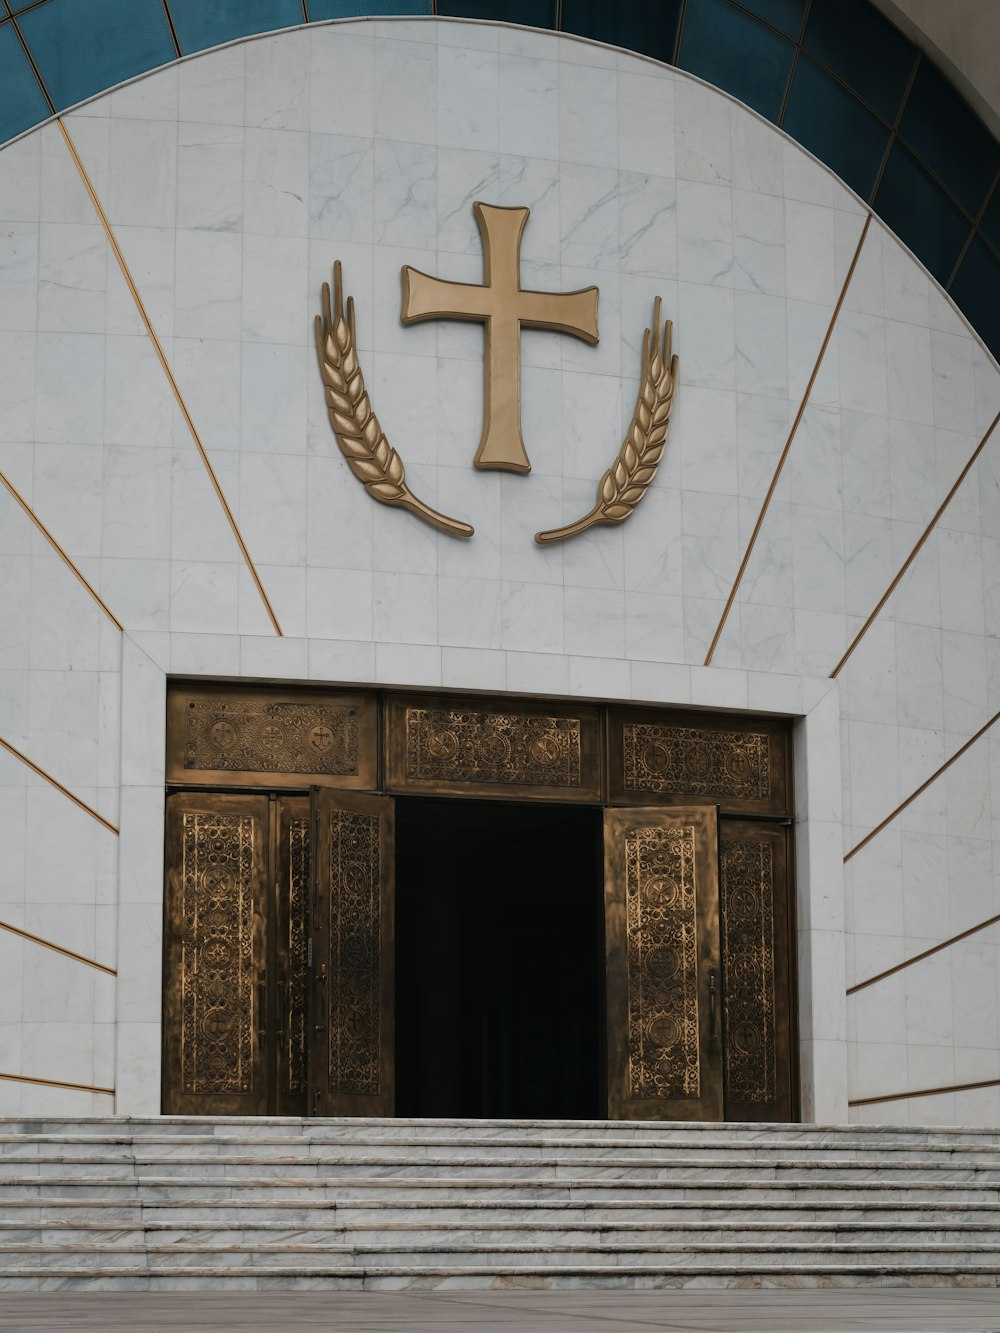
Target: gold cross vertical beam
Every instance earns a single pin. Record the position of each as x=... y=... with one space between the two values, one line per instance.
x=505 y=308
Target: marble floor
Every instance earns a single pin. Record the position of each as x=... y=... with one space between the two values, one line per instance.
x=857 y=1311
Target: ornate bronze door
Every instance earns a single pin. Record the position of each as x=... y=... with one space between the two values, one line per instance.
x=351 y=1017
x=215 y=1012
x=756 y=964
x=664 y=1000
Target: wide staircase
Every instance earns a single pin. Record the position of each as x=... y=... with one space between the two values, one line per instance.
x=182 y=1203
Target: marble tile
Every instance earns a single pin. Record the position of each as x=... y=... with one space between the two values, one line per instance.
x=705 y=233
x=277 y=83
x=405 y=88
x=342 y=80
x=646 y=129
x=588 y=115
x=212 y=88
x=702 y=134
x=467 y=98
x=210 y=177
x=142 y=173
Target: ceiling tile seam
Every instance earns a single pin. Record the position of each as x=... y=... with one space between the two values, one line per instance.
x=817 y=366
x=57 y=948
x=40 y=772
x=921 y=789
x=898 y=577
x=30 y=513
x=168 y=372
x=926 y=1092
x=57 y=1083
x=927 y=953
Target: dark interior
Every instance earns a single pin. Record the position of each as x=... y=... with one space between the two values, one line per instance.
x=499 y=959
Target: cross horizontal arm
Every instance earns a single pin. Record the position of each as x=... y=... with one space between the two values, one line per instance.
x=425 y=297
x=566 y=312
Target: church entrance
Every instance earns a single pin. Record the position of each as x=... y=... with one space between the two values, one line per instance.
x=451 y=906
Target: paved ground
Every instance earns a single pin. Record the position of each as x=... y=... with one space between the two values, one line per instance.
x=858 y=1311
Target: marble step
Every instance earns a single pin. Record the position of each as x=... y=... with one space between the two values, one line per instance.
x=799 y=1276
x=156 y=1189
x=225 y=1213
x=197 y=1148
x=517 y=1131
x=759 y=1257
x=496 y=1235
x=483 y=1166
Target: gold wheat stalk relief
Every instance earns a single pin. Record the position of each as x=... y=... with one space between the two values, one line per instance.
x=362 y=441
x=627 y=480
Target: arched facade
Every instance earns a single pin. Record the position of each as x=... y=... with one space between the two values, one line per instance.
x=819 y=542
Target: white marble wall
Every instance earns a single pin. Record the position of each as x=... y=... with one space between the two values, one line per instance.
x=232 y=182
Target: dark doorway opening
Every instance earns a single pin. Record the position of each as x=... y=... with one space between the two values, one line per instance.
x=499 y=960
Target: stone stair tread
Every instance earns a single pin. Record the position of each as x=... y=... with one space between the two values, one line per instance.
x=479 y=1248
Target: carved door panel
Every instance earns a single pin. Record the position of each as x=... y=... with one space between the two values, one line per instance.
x=663 y=971
x=756 y=911
x=291 y=911
x=215 y=997
x=351 y=991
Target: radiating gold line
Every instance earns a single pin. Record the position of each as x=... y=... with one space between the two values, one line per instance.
x=921 y=789
x=788 y=444
x=919 y=957
x=140 y=307
x=917 y=549
x=926 y=1092
x=58 y=785
x=57 y=948
x=18 y=499
x=58 y=1083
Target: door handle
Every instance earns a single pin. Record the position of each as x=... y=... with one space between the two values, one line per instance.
x=713 y=1015
x=262 y=1006
x=320 y=998
x=281 y=1005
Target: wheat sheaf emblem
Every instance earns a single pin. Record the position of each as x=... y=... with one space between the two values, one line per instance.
x=380 y=469
x=628 y=479
x=362 y=440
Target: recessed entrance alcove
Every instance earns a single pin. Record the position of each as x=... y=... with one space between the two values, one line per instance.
x=468 y=906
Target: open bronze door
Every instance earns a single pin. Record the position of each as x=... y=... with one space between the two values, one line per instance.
x=351 y=954
x=664 y=1001
x=215 y=1020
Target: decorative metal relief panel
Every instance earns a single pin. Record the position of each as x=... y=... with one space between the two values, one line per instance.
x=217 y=965
x=672 y=758
x=355 y=926
x=502 y=747
x=298 y=933
x=747 y=905
x=695 y=762
x=269 y=737
x=662 y=962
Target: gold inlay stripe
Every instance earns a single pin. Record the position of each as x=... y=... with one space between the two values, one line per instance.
x=788 y=444
x=57 y=948
x=18 y=499
x=919 y=957
x=161 y=357
x=921 y=789
x=6 y=745
x=58 y=1083
x=917 y=549
x=926 y=1092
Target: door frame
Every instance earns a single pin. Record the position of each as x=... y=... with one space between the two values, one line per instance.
x=382 y=714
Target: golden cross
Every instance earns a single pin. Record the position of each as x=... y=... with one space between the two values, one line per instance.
x=504 y=307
